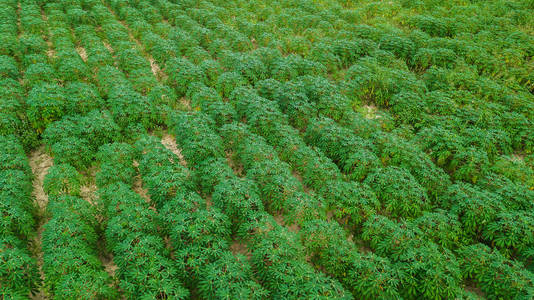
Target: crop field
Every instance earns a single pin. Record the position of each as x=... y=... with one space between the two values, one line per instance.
x=290 y=149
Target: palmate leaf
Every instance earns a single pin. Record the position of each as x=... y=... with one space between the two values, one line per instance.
x=496 y=275
x=277 y=256
x=237 y=197
x=62 y=180
x=351 y=202
x=398 y=191
x=73 y=151
x=229 y=277
x=18 y=269
x=8 y=67
x=145 y=271
x=212 y=172
x=511 y=231
x=182 y=73
x=475 y=207
x=46 y=104
x=17 y=219
x=441 y=227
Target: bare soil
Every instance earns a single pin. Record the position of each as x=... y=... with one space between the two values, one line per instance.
x=170 y=143
x=299 y=178
x=185 y=103
x=108 y=46
x=237 y=168
x=156 y=69
x=475 y=290
x=39 y=162
x=50 y=52
x=517 y=157
x=371 y=111
x=279 y=218
x=83 y=54
x=88 y=190
x=238 y=247
x=138 y=186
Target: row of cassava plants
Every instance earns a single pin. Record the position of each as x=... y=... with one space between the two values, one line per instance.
x=19 y=274
x=144 y=265
x=276 y=254
x=200 y=235
x=383 y=175
x=220 y=110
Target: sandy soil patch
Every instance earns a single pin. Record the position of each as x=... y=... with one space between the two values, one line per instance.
x=170 y=143
x=40 y=162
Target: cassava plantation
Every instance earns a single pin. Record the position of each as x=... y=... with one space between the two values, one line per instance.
x=285 y=149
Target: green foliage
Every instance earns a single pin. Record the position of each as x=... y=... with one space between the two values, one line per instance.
x=211 y=172
x=82 y=98
x=275 y=182
x=247 y=65
x=496 y=275
x=18 y=269
x=424 y=58
x=75 y=139
x=407 y=108
x=39 y=73
x=19 y=274
x=16 y=207
x=227 y=82
x=397 y=151
x=139 y=252
x=108 y=77
x=293 y=65
x=69 y=253
x=182 y=73
x=369 y=81
x=398 y=191
x=199 y=235
x=513 y=195
x=402 y=47
x=73 y=151
x=228 y=277
x=278 y=260
x=420 y=266
x=32 y=43
x=129 y=107
x=46 y=104
x=511 y=232
x=422 y=114
x=207 y=100
x=12 y=156
x=238 y=198
x=72 y=69
x=474 y=207
x=360 y=163
x=440 y=227
x=117 y=164
x=352 y=203
x=433 y=26
x=348 y=51
x=8 y=67
x=62 y=179
x=329 y=245
x=428 y=269
x=213 y=71
x=342 y=146
x=195 y=130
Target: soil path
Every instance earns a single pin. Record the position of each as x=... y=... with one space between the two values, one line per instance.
x=170 y=143
x=40 y=162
